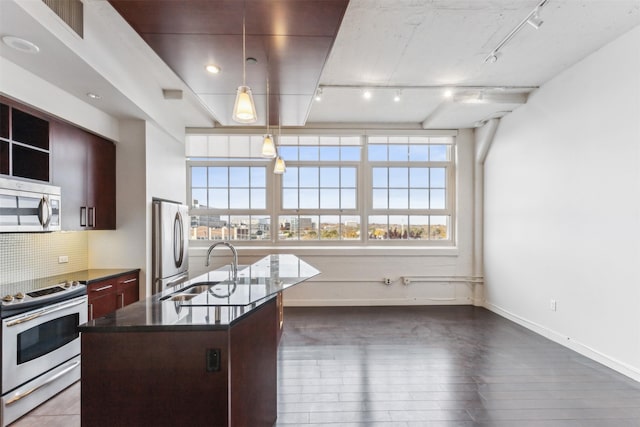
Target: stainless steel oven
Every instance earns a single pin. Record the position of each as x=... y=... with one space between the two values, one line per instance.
x=40 y=351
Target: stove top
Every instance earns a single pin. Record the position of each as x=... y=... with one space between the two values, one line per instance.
x=29 y=294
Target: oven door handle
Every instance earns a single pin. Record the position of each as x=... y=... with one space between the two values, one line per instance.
x=42 y=313
x=65 y=371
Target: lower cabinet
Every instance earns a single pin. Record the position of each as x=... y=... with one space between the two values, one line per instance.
x=127 y=289
x=106 y=296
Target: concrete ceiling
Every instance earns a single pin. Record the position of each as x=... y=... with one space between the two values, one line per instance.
x=414 y=48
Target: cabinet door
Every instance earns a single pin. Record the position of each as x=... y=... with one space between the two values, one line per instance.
x=69 y=166
x=101 y=176
x=84 y=166
x=127 y=289
x=102 y=298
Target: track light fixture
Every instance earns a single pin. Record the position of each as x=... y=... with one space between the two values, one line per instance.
x=318 y=96
x=532 y=18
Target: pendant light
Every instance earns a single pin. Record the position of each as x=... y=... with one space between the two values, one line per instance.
x=244 y=109
x=279 y=166
x=268 y=146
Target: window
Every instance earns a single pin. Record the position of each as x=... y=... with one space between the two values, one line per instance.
x=410 y=188
x=319 y=191
x=348 y=190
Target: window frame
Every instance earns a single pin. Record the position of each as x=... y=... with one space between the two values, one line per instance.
x=269 y=183
x=450 y=193
x=364 y=191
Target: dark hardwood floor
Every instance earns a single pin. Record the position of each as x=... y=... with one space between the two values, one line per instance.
x=439 y=366
x=423 y=366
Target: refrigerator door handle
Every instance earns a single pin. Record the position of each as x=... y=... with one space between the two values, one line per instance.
x=178 y=240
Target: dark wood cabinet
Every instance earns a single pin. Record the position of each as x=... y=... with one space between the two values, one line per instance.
x=84 y=166
x=102 y=298
x=182 y=376
x=24 y=142
x=127 y=289
x=106 y=296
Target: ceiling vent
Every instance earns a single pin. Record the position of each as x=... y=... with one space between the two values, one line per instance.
x=70 y=11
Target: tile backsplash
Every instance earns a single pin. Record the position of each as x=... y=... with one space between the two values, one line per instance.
x=26 y=256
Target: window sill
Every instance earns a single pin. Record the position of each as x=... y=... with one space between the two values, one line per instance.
x=200 y=249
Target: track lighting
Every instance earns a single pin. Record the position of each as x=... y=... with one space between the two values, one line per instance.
x=318 y=96
x=533 y=19
x=366 y=94
x=396 y=97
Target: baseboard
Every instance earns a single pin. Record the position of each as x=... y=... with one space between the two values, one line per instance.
x=342 y=302
x=621 y=367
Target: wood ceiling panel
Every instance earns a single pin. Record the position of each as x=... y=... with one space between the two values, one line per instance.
x=294 y=63
x=291 y=40
x=262 y=17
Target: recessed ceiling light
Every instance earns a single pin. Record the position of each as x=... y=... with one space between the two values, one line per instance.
x=20 y=44
x=213 y=69
x=93 y=95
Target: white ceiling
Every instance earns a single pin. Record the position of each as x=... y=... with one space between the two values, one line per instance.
x=417 y=47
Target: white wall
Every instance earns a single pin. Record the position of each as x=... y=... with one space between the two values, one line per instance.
x=166 y=177
x=354 y=276
x=562 y=208
x=126 y=247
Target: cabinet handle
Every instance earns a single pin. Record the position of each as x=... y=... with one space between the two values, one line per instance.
x=92 y=216
x=129 y=281
x=90 y=311
x=83 y=216
x=102 y=288
x=121 y=300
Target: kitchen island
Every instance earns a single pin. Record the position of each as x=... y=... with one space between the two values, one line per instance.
x=203 y=353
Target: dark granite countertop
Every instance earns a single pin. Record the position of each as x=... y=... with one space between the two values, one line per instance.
x=215 y=308
x=84 y=276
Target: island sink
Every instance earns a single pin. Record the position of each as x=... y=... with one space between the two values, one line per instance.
x=213 y=338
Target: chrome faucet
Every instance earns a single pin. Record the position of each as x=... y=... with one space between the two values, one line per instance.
x=234 y=262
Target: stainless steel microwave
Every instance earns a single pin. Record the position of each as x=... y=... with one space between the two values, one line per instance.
x=29 y=206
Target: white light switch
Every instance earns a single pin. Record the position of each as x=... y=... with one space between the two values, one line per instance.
x=63 y=259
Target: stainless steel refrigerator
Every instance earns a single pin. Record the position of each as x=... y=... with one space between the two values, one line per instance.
x=170 y=261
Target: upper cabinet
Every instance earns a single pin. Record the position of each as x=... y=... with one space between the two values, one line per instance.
x=36 y=146
x=84 y=165
x=24 y=143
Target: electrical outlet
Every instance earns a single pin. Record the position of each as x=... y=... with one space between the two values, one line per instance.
x=63 y=259
x=386 y=281
x=553 y=305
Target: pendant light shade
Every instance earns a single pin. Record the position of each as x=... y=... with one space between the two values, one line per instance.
x=268 y=147
x=279 y=167
x=244 y=110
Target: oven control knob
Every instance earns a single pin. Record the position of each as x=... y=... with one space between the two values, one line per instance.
x=7 y=298
x=75 y=283
x=19 y=295
x=67 y=284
